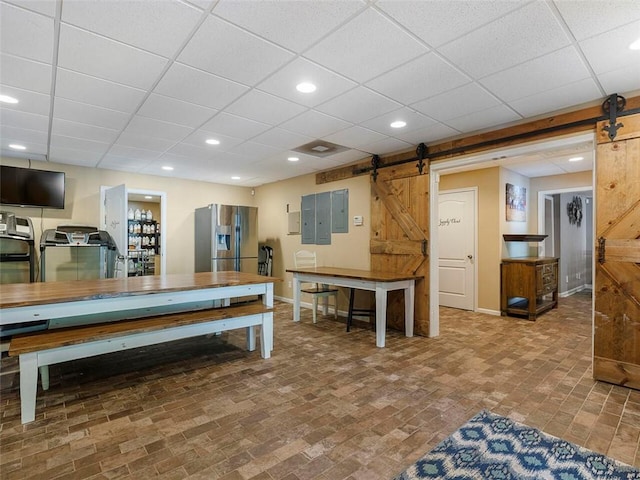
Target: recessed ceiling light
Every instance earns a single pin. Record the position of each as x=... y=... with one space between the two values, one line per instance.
x=15 y=146
x=293 y=159
x=306 y=87
x=235 y=177
x=576 y=159
x=8 y=99
x=635 y=45
x=398 y=124
x=167 y=167
x=212 y=141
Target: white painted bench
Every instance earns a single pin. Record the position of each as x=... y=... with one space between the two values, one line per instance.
x=38 y=350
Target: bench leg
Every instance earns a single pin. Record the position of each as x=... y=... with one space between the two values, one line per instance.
x=266 y=335
x=44 y=377
x=28 y=386
x=251 y=338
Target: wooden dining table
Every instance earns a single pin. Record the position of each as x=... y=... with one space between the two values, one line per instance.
x=377 y=281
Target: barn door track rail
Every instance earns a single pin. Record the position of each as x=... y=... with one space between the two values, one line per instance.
x=612 y=108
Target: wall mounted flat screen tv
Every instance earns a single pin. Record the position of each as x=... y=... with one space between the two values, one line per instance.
x=27 y=187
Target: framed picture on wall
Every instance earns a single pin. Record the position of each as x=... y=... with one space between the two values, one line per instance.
x=516 y=203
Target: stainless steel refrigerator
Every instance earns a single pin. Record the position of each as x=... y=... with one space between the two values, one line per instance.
x=226 y=238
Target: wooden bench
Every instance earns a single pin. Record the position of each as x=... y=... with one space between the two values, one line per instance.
x=38 y=350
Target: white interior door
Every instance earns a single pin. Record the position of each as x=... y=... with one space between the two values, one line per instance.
x=115 y=216
x=456 y=243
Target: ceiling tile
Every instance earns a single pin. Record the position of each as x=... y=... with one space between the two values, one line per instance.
x=556 y=99
x=438 y=22
x=144 y=142
x=232 y=53
x=414 y=120
x=610 y=51
x=92 y=148
x=28 y=101
x=490 y=117
x=519 y=36
x=195 y=86
x=543 y=73
x=421 y=78
x=455 y=103
x=283 y=83
x=157 y=129
x=24 y=120
x=376 y=45
x=167 y=109
x=71 y=156
x=133 y=153
x=26 y=34
x=284 y=139
x=89 y=114
x=354 y=137
x=123 y=164
x=621 y=81
x=94 y=91
x=158 y=27
x=265 y=108
x=428 y=134
x=294 y=25
x=192 y=151
x=23 y=73
x=34 y=140
x=45 y=7
x=312 y=123
x=79 y=130
x=254 y=150
x=588 y=18
x=388 y=145
x=234 y=126
x=198 y=138
x=100 y=57
x=358 y=105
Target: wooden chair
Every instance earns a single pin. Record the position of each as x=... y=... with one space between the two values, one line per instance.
x=307 y=259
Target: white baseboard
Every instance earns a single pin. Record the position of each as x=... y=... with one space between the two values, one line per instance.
x=568 y=293
x=488 y=312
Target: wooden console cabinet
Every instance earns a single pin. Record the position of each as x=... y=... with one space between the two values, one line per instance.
x=529 y=286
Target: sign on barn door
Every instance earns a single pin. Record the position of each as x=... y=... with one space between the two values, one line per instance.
x=616 y=345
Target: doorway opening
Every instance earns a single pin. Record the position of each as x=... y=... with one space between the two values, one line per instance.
x=151 y=237
x=536 y=154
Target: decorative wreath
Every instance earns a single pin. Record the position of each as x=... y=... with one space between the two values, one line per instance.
x=574 y=210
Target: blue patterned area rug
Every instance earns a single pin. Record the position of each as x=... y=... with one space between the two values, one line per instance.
x=493 y=447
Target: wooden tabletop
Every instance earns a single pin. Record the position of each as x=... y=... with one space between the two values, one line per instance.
x=369 y=275
x=40 y=293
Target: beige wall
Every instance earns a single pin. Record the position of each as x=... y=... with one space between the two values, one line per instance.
x=346 y=249
x=487 y=182
x=82 y=204
x=555 y=183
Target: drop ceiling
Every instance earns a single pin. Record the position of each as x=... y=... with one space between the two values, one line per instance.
x=139 y=85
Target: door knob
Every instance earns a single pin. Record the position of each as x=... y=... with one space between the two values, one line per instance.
x=470 y=257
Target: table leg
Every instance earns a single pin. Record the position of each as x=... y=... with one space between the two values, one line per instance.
x=296 y=299
x=266 y=335
x=28 y=386
x=267 y=299
x=381 y=316
x=44 y=377
x=409 y=303
x=251 y=338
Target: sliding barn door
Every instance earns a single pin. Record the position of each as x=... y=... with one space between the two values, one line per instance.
x=617 y=273
x=400 y=230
